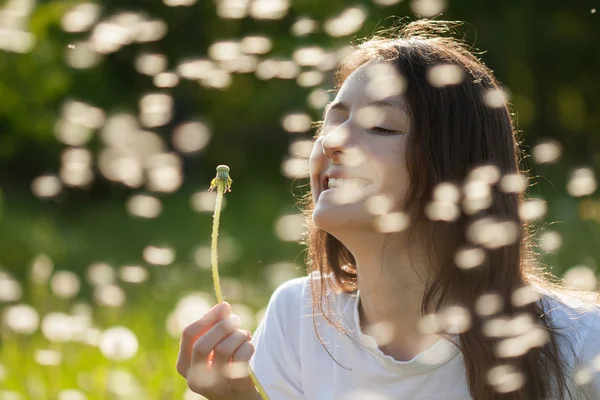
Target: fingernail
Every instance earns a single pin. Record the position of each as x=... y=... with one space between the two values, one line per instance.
x=222 y=309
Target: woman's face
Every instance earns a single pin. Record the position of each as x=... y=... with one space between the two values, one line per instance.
x=364 y=140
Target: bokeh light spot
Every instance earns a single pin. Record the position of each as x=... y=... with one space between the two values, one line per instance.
x=445 y=75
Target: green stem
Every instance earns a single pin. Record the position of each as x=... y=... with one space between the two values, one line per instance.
x=213 y=248
x=215 y=272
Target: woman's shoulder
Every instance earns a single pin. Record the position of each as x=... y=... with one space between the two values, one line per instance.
x=564 y=309
x=294 y=298
x=293 y=294
x=576 y=319
x=292 y=289
x=296 y=289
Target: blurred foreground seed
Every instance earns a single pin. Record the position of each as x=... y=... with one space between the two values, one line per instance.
x=303 y=26
x=582 y=182
x=379 y=204
x=166 y=80
x=505 y=378
x=46 y=186
x=144 y=206
x=109 y=295
x=99 y=273
x=232 y=9
x=318 y=98
x=581 y=277
x=488 y=304
x=151 y=63
x=445 y=75
x=532 y=209
x=495 y=98
x=550 y=241
x=290 y=228
x=391 y=222
x=158 y=255
x=81 y=17
x=428 y=8
x=133 y=274
x=547 y=152
x=256 y=44
x=384 y=81
x=301 y=148
x=178 y=3
x=191 y=137
x=346 y=23
x=310 y=78
x=296 y=122
x=269 y=9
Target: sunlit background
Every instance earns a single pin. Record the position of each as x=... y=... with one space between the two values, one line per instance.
x=114 y=115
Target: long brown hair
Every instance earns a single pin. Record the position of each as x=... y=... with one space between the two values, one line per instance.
x=453 y=131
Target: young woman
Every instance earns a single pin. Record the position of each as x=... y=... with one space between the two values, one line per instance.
x=423 y=279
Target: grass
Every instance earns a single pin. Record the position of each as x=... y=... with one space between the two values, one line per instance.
x=149 y=374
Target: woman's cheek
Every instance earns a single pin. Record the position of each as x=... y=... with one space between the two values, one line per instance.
x=316 y=163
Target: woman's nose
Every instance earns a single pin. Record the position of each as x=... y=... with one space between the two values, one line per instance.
x=335 y=142
x=342 y=148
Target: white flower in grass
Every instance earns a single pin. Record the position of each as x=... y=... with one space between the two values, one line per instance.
x=10 y=288
x=58 y=327
x=22 y=319
x=71 y=394
x=124 y=384
x=189 y=395
x=109 y=295
x=65 y=284
x=10 y=395
x=47 y=357
x=187 y=310
x=100 y=273
x=118 y=343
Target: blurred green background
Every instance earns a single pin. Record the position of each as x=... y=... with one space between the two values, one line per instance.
x=97 y=230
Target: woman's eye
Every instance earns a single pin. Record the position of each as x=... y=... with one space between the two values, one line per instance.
x=382 y=130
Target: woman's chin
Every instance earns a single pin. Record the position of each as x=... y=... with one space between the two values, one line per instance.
x=331 y=218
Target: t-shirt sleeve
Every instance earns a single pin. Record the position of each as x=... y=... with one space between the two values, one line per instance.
x=276 y=361
x=589 y=374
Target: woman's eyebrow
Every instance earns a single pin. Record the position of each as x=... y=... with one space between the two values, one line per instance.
x=391 y=103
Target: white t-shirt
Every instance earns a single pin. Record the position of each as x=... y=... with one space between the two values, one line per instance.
x=291 y=363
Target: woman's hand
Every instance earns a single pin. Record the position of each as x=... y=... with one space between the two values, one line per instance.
x=214 y=355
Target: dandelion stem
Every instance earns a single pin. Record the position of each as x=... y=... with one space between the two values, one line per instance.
x=222 y=182
x=213 y=250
